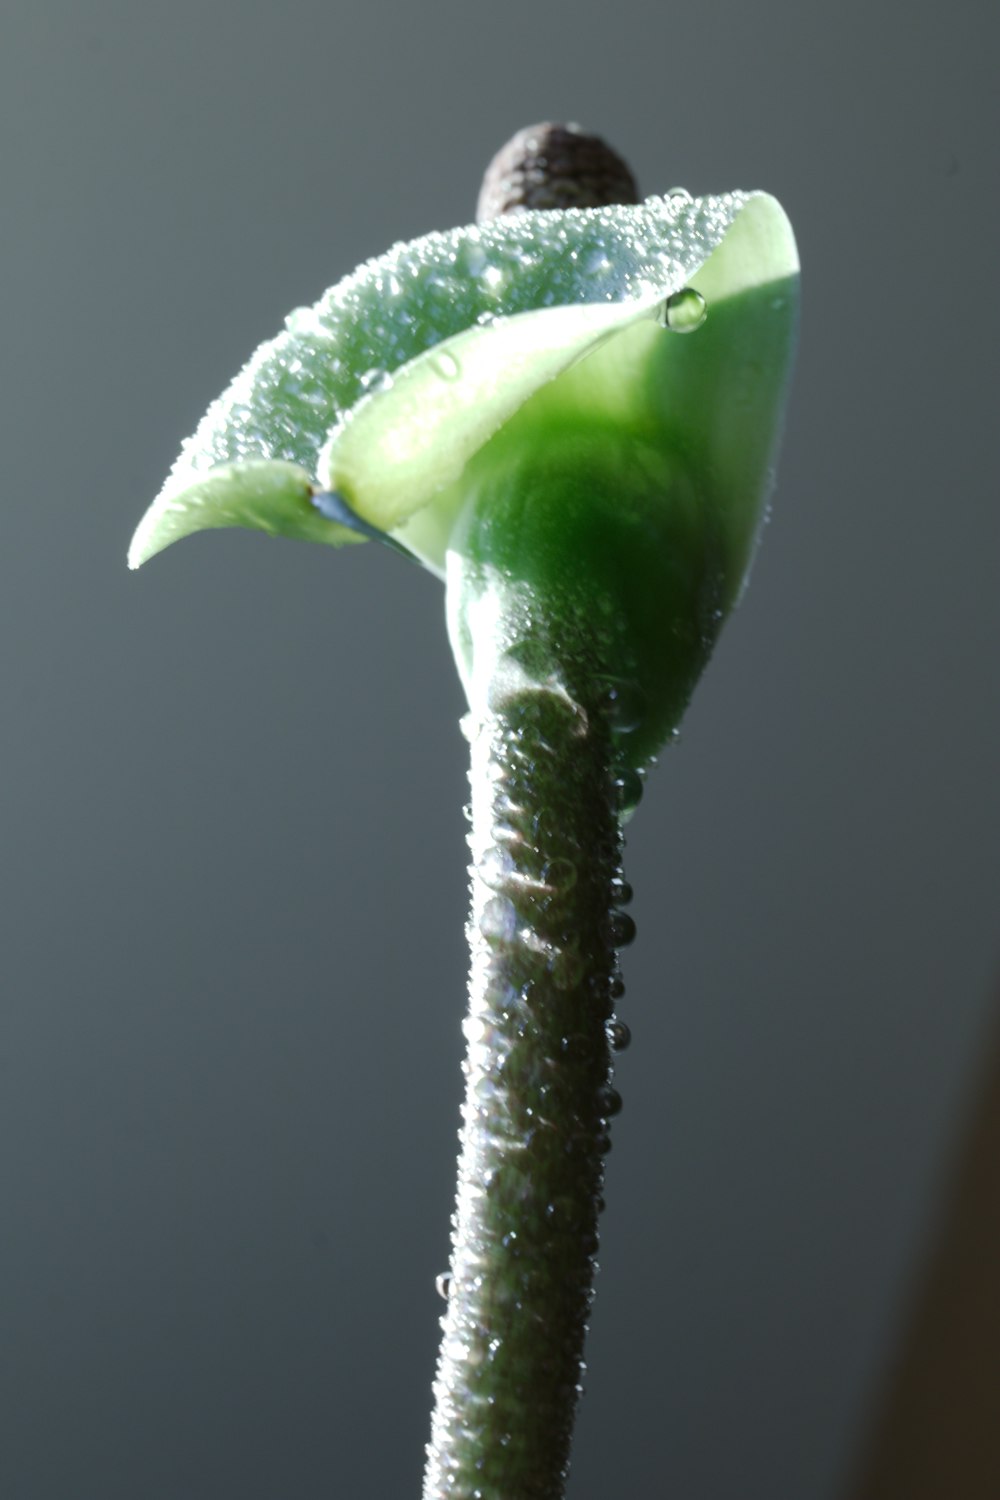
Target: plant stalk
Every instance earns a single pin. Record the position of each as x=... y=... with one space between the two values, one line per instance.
x=546 y=857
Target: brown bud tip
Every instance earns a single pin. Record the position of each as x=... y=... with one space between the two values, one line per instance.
x=554 y=166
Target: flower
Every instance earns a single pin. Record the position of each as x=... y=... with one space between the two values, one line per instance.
x=632 y=360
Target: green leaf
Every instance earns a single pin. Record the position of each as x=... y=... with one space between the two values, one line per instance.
x=271 y=496
x=400 y=373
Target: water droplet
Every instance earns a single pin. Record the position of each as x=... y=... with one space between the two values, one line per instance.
x=498 y=921
x=459 y=1353
x=621 y=928
x=560 y=875
x=446 y=365
x=596 y=262
x=496 y=867
x=619 y=1035
x=566 y=967
x=616 y=988
x=621 y=891
x=475 y=1030
x=467 y=725
x=610 y=1103
x=562 y=1210
x=685 y=311
x=442 y=1284
x=476 y=261
x=628 y=785
x=589 y=1242
x=603 y=1144
x=624 y=704
x=679 y=193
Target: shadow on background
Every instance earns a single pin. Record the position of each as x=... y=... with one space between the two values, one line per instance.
x=936 y=1430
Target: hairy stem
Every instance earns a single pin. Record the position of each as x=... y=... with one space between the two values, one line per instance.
x=546 y=847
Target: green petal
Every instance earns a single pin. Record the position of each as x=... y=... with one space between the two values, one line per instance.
x=360 y=389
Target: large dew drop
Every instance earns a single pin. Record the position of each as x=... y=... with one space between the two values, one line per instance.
x=685 y=311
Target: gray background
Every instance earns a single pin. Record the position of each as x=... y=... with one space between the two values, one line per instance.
x=233 y=857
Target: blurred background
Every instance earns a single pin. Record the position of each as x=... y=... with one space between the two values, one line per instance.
x=232 y=964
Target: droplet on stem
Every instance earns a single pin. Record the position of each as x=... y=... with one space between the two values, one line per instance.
x=498 y=921
x=560 y=875
x=610 y=1103
x=496 y=867
x=619 y=1035
x=624 y=704
x=621 y=928
x=628 y=786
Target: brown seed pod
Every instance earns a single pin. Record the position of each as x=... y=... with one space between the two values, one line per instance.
x=554 y=166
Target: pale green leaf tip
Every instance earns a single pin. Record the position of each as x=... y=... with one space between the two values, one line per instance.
x=265 y=495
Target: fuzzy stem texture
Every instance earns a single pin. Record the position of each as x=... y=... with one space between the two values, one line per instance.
x=546 y=851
